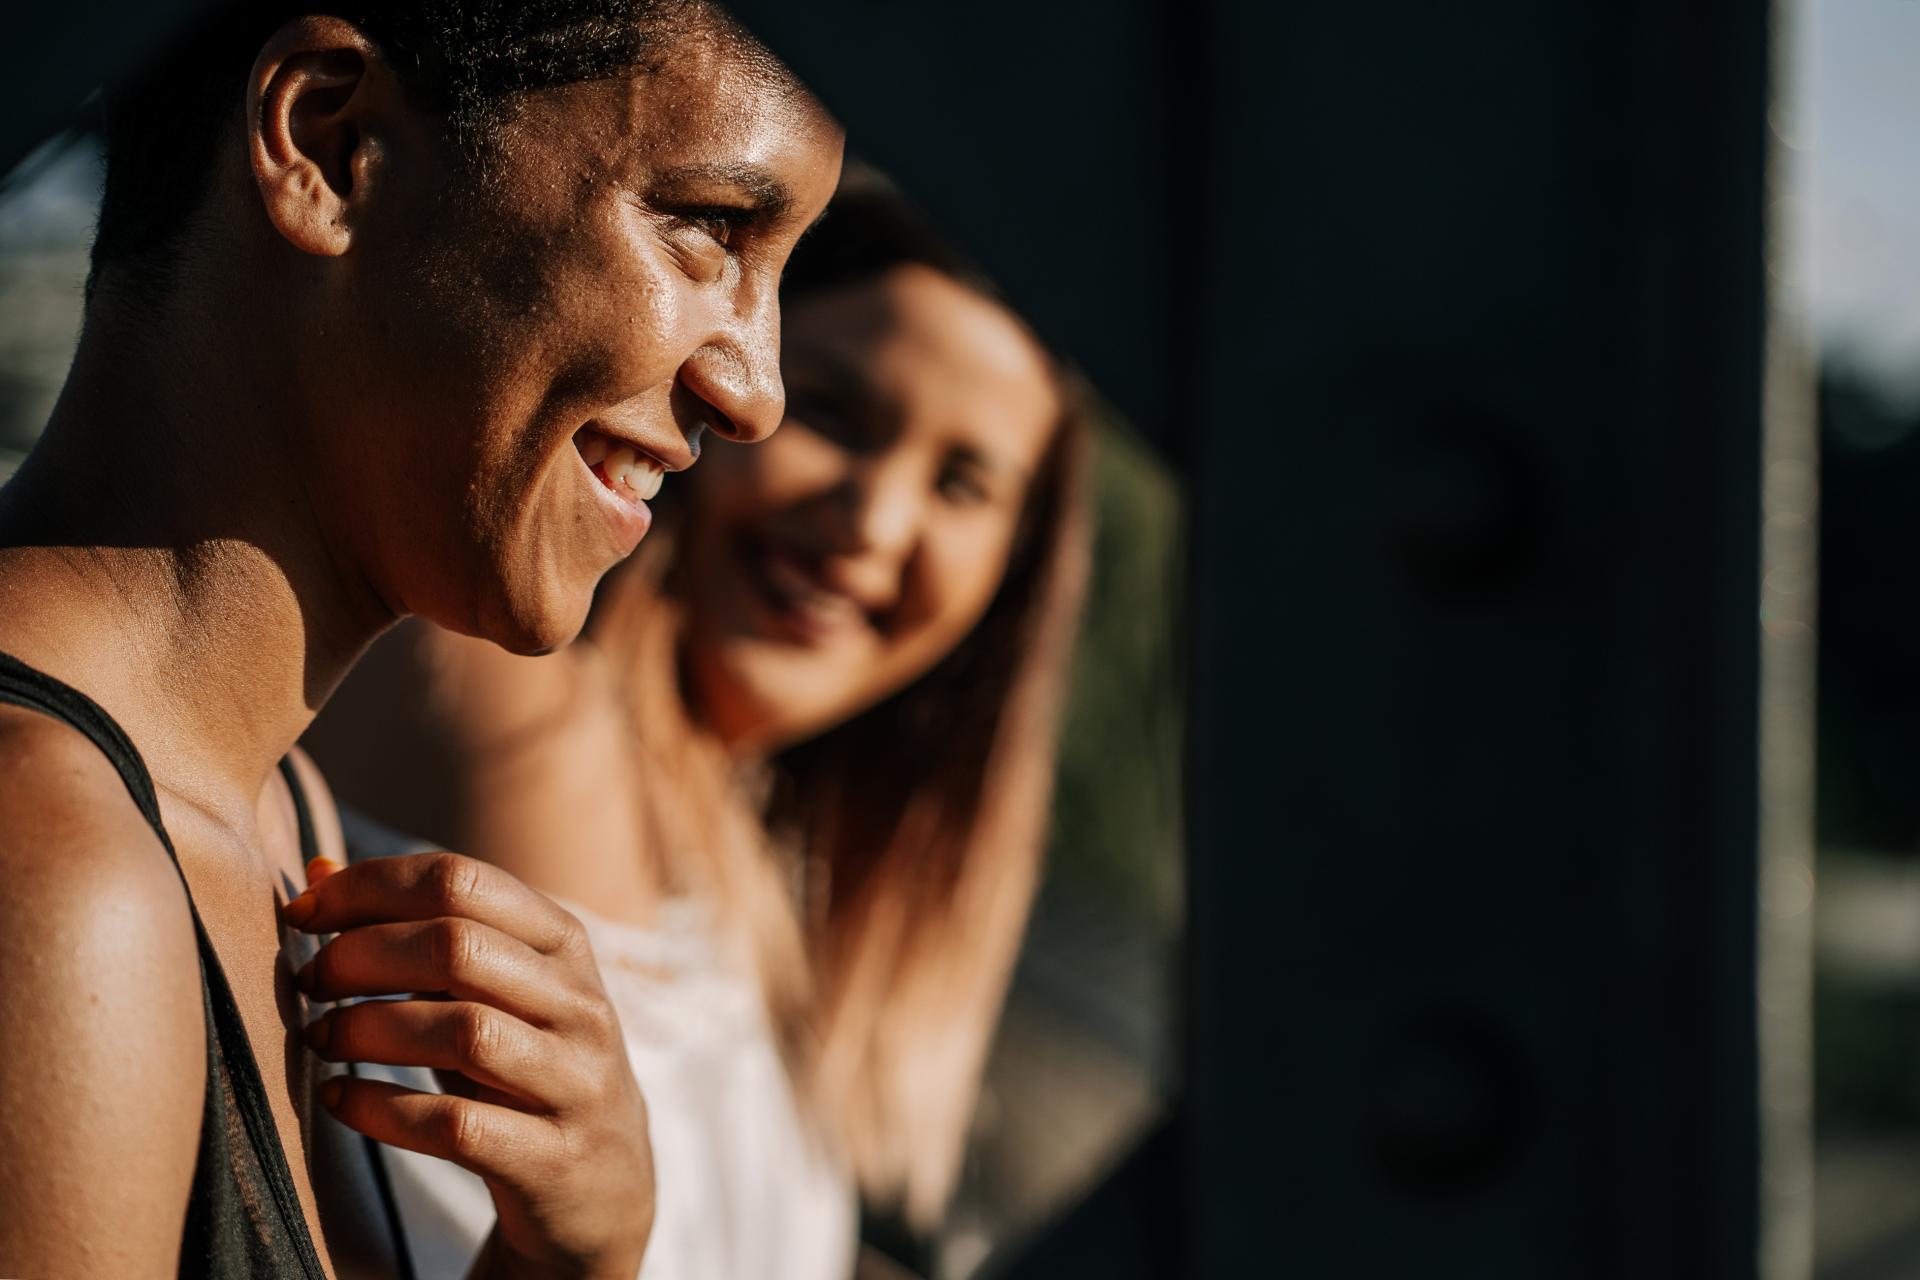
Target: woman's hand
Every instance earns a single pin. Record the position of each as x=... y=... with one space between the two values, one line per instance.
x=507 y=1005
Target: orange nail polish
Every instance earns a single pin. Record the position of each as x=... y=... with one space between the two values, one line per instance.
x=319 y=869
x=330 y=1090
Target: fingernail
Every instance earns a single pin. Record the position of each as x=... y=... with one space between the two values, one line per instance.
x=304 y=978
x=319 y=1033
x=330 y=1090
x=300 y=910
x=319 y=869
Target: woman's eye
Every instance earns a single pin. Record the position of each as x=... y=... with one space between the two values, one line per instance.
x=962 y=488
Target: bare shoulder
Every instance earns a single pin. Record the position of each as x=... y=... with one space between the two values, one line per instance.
x=100 y=1010
x=67 y=820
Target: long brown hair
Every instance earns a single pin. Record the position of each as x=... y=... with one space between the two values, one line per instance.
x=879 y=875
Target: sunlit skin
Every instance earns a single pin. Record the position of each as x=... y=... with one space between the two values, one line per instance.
x=849 y=555
x=627 y=282
x=360 y=399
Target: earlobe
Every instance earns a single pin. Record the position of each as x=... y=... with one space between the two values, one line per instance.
x=310 y=140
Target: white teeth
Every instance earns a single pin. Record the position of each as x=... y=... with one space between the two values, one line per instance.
x=646 y=477
x=803 y=593
x=624 y=467
x=594 y=447
x=619 y=462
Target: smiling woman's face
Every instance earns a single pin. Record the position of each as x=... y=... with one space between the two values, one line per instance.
x=844 y=558
x=532 y=349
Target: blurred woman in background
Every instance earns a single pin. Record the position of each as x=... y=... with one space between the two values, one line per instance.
x=796 y=779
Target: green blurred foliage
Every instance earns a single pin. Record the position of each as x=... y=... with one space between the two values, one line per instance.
x=1117 y=814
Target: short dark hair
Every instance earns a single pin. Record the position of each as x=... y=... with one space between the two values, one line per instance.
x=463 y=58
x=871 y=228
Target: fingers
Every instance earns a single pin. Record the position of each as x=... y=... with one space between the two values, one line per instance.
x=496 y=1142
x=460 y=958
x=424 y=886
x=490 y=1048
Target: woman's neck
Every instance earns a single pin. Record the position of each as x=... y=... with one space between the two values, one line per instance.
x=159 y=552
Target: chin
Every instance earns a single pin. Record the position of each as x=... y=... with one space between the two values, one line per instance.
x=534 y=622
x=762 y=681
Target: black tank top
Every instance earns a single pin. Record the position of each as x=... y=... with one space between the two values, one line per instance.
x=244 y=1220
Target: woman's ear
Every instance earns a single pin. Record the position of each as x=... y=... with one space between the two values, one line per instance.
x=316 y=116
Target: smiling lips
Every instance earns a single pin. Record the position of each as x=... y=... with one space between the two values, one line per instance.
x=805 y=605
x=620 y=467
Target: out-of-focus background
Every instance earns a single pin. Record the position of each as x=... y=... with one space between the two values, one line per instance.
x=46 y=223
x=1859 y=214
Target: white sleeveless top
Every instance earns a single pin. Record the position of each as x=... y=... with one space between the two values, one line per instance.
x=744 y=1193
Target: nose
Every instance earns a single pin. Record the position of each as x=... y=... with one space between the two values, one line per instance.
x=877 y=510
x=881 y=509
x=736 y=372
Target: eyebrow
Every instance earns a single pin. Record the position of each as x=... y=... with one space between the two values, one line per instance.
x=992 y=464
x=843 y=380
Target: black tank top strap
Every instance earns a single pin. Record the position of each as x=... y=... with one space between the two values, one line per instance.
x=23 y=686
x=302 y=810
x=376 y=1160
x=244 y=1219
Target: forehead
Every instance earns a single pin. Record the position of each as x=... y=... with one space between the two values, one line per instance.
x=705 y=94
x=700 y=100
x=934 y=351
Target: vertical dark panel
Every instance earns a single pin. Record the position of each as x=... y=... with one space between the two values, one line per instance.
x=1474 y=643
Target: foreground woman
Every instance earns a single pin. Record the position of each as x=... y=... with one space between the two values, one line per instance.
x=796 y=779
x=363 y=292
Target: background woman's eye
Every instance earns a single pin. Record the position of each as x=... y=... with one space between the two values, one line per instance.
x=962 y=487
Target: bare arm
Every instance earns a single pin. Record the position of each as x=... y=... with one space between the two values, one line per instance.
x=103 y=1071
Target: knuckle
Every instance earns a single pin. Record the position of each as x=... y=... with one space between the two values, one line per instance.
x=456 y=947
x=573 y=936
x=596 y=1017
x=606 y=1022
x=477 y=1035
x=462 y=1129
x=451 y=881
